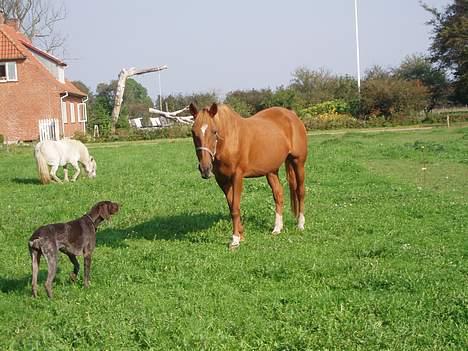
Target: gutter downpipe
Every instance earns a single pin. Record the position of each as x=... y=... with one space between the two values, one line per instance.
x=83 y=101
x=61 y=112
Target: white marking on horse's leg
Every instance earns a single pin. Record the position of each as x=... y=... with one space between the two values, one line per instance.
x=203 y=128
x=53 y=170
x=301 y=221
x=278 y=224
x=77 y=169
x=235 y=242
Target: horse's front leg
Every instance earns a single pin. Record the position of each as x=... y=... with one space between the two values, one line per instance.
x=76 y=166
x=237 y=229
x=226 y=184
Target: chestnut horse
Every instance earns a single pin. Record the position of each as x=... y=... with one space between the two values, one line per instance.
x=233 y=148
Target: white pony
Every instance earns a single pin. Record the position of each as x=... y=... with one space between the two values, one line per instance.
x=60 y=153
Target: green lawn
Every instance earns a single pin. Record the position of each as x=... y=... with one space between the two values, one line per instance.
x=382 y=264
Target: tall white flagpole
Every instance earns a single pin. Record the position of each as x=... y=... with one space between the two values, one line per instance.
x=357 y=46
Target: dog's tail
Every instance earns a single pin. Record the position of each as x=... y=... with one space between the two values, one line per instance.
x=42 y=166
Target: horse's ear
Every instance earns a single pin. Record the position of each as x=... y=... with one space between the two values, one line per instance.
x=193 y=110
x=213 y=109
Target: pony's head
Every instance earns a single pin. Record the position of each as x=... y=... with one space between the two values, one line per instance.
x=205 y=137
x=90 y=167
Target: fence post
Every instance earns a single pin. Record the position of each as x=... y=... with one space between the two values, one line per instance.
x=448 y=121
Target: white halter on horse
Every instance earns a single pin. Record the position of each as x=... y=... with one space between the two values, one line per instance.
x=60 y=153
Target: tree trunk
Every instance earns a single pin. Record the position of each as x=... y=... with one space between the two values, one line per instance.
x=123 y=75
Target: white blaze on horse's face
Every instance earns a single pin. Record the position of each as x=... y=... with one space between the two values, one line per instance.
x=203 y=129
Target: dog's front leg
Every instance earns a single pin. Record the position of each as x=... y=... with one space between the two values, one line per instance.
x=76 y=266
x=87 y=269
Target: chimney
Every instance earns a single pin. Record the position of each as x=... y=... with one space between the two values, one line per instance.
x=2 y=17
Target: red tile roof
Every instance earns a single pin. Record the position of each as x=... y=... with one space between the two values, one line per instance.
x=15 y=43
x=8 y=49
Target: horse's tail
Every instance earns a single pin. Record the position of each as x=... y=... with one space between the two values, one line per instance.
x=292 y=180
x=42 y=166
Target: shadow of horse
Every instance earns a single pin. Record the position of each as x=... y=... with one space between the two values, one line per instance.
x=26 y=181
x=175 y=227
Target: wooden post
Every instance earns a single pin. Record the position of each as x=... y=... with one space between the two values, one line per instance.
x=123 y=75
x=448 y=121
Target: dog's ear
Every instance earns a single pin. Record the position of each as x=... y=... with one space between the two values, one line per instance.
x=104 y=211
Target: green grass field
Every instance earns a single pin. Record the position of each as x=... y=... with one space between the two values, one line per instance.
x=382 y=264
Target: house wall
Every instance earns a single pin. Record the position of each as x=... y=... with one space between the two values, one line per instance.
x=25 y=102
x=70 y=126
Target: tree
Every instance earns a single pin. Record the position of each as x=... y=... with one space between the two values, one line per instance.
x=37 y=20
x=313 y=86
x=389 y=96
x=418 y=67
x=248 y=102
x=449 y=46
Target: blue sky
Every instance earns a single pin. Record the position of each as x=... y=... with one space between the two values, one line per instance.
x=226 y=45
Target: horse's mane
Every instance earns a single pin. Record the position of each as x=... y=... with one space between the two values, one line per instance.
x=227 y=118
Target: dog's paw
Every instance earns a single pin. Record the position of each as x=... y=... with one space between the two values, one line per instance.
x=73 y=277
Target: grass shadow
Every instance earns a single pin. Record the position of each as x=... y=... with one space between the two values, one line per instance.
x=26 y=181
x=8 y=285
x=175 y=227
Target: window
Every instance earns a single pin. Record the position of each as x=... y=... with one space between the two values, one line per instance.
x=8 y=72
x=64 y=112
x=72 y=113
x=82 y=115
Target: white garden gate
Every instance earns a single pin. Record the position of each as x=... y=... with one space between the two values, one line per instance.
x=49 y=129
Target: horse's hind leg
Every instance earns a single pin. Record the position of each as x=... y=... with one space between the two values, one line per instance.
x=299 y=171
x=277 y=190
x=53 y=173
x=65 y=173
x=76 y=166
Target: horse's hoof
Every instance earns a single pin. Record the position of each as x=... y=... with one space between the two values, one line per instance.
x=233 y=247
x=276 y=232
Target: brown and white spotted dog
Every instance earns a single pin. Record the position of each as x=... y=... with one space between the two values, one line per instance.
x=75 y=238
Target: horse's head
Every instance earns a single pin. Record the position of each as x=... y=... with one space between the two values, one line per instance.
x=90 y=167
x=205 y=137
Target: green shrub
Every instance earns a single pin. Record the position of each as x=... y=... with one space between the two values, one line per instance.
x=331 y=120
x=2 y=139
x=326 y=107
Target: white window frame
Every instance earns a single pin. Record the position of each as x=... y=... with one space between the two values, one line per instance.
x=82 y=112
x=72 y=112
x=64 y=111
x=8 y=78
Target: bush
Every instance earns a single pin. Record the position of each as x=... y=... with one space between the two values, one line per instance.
x=331 y=120
x=389 y=96
x=2 y=139
x=326 y=107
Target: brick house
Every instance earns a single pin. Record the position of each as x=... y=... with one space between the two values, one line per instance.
x=35 y=98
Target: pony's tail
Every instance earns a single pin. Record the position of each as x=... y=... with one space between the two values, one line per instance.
x=42 y=166
x=291 y=175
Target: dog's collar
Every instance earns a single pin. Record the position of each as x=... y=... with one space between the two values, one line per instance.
x=94 y=225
